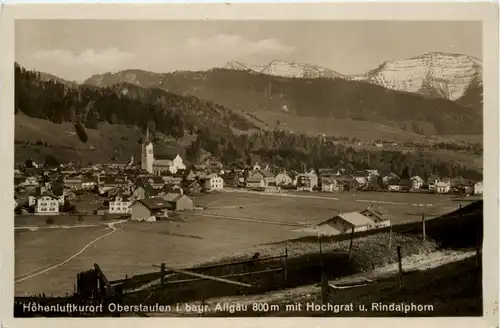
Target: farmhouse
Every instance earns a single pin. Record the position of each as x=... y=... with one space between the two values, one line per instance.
x=212 y=182
x=361 y=177
x=377 y=215
x=442 y=187
x=393 y=185
x=416 y=182
x=268 y=177
x=193 y=187
x=155 y=182
x=344 y=223
x=388 y=178
x=431 y=182
x=149 y=209
x=328 y=184
x=88 y=183
x=283 y=179
x=74 y=183
x=478 y=188
x=255 y=181
x=119 y=205
x=307 y=181
x=47 y=204
x=272 y=187
x=179 y=202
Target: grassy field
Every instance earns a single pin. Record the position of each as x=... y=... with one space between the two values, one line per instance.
x=104 y=143
x=362 y=130
x=315 y=207
x=219 y=231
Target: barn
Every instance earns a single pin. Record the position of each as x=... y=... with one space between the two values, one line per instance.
x=179 y=202
x=344 y=223
x=144 y=209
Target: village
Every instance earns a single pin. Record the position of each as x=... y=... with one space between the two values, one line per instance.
x=161 y=187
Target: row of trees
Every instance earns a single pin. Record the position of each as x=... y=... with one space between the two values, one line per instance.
x=301 y=152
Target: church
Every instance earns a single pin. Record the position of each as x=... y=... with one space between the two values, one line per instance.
x=161 y=164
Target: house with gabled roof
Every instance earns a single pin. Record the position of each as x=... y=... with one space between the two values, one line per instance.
x=150 y=209
x=283 y=179
x=179 y=202
x=344 y=223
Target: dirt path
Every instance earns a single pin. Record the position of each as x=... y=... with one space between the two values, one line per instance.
x=38 y=272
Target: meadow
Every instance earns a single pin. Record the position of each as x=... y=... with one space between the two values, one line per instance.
x=231 y=223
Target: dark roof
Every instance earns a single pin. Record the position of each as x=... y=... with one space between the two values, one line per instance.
x=361 y=174
x=165 y=156
x=155 y=203
x=19 y=180
x=266 y=173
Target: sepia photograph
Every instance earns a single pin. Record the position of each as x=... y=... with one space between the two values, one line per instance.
x=248 y=168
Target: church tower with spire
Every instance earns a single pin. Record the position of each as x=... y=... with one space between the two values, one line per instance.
x=147 y=154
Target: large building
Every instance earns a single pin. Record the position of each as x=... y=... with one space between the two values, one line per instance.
x=147 y=154
x=160 y=164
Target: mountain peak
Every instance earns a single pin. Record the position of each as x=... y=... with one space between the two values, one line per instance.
x=434 y=74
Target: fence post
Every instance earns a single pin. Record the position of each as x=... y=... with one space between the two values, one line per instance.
x=350 y=244
x=286 y=263
x=162 y=268
x=400 y=266
x=320 y=253
x=324 y=287
x=478 y=248
x=423 y=226
x=390 y=236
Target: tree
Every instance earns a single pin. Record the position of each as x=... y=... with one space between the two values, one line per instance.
x=81 y=133
x=405 y=175
x=28 y=163
x=51 y=161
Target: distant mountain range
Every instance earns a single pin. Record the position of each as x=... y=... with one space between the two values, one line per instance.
x=287 y=69
x=448 y=76
x=433 y=93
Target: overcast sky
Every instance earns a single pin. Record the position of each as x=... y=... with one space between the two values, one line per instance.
x=77 y=49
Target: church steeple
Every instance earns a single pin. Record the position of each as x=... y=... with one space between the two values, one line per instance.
x=146 y=139
x=147 y=156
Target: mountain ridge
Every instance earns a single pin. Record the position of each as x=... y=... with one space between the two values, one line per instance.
x=434 y=74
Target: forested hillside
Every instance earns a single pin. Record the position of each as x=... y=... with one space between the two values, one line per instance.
x=321 y=97
x=125 y=105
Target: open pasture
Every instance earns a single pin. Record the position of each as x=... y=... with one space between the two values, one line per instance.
x=134 y=248
x=231 y=223
x=310 y=208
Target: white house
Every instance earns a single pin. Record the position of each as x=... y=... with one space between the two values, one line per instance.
x=119 y=206
x=416 y=182
x=88 y=183
x=283 y=179
x=478 y=188
x=46 y=204
x=168 y=164
x=213 y=182
x=442 y=187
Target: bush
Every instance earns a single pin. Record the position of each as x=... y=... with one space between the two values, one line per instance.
x=80 y=218
x=49 y=220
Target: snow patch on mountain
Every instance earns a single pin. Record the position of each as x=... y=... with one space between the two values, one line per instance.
x=437 y=74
